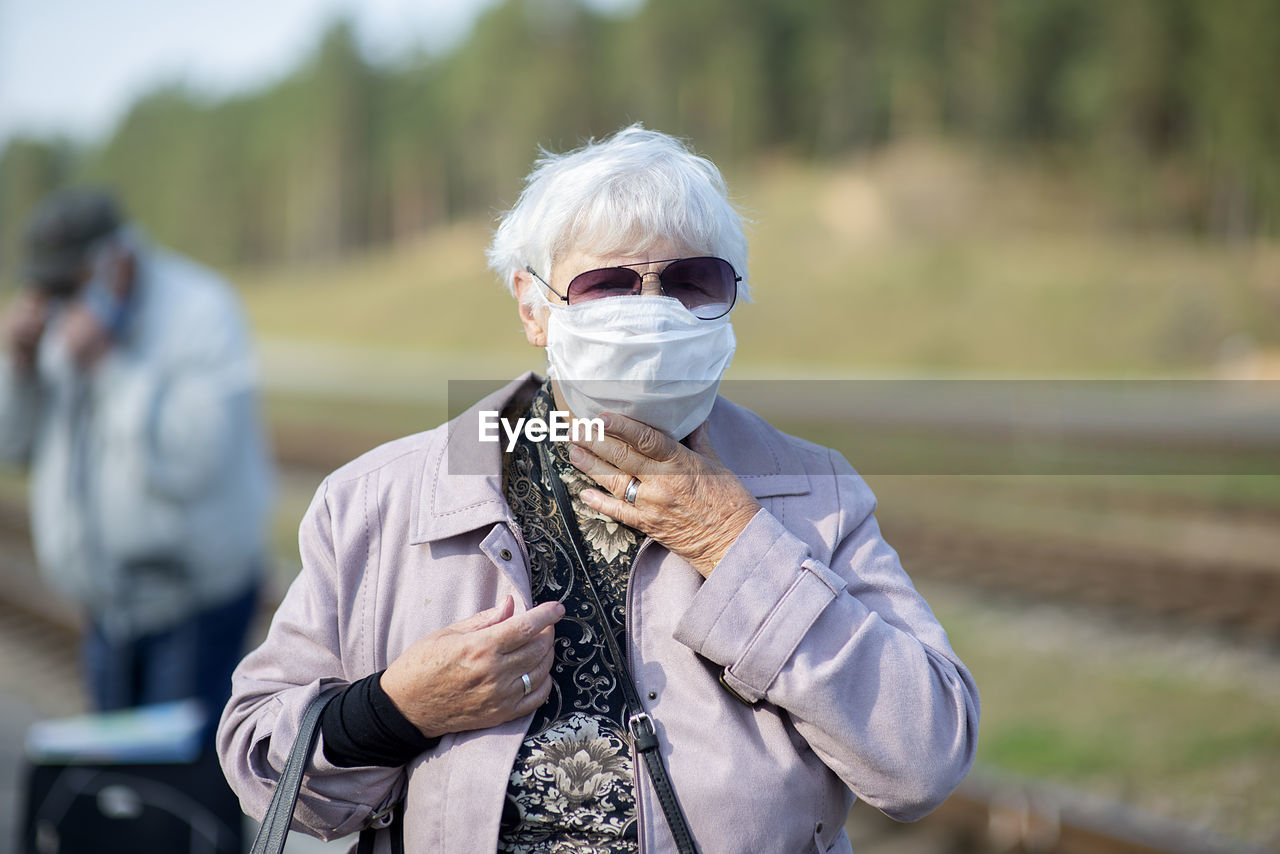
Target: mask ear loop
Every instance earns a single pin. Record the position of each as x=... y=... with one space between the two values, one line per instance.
x=540 y=288
x=541 y=300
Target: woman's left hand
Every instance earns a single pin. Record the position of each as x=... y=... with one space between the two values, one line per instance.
x=687 y=499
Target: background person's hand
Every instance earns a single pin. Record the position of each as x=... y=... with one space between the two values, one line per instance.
x=87 y=329
x=87 y=339
x=688 y=500
x=467 y=675
x=24 y=325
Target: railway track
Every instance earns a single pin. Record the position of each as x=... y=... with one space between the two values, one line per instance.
x=1226 y=595
x=1238 y=599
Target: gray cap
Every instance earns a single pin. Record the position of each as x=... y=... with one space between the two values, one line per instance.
x=61 y=232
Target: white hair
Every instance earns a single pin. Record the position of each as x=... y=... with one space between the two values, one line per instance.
x=621 y=195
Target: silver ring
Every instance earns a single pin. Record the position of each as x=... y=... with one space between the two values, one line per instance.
x=528 y=686
x=632 y=488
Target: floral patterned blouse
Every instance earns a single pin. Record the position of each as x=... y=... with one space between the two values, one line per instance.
x=571 y=785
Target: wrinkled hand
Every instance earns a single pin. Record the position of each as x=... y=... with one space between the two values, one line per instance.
x=467 y=675
x=688 y=500
x=24 y=325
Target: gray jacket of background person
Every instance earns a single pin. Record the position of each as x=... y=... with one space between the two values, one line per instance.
x=150 y=477
x=810 y=616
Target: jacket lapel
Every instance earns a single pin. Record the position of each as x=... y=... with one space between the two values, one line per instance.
x=756 y=451
x=461 y=480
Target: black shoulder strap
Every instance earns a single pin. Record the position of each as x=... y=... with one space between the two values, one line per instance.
x=639 y=722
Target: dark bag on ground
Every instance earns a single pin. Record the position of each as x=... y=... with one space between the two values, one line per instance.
x=137 y=780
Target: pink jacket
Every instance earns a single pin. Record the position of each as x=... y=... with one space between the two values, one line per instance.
x=855 y=688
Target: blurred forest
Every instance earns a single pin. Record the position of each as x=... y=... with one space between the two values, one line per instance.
x=1166 y=107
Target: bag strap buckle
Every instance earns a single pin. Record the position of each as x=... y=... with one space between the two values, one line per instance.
x=642 y=731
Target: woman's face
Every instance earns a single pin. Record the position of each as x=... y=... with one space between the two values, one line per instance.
x=534 y=318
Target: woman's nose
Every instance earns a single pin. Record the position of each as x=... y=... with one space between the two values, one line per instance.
x=650 y=285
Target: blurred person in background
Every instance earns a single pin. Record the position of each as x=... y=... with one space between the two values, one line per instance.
x=467 y=601
x=129 y=390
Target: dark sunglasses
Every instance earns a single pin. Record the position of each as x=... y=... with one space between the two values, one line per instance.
x=707 y=286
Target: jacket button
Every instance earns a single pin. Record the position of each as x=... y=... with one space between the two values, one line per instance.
x=818 y=829
x=505 y=554
x=653 y=695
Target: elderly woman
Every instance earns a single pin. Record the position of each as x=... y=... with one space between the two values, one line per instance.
x=683 y=632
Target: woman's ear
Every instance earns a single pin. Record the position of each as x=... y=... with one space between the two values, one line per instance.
x=533 y=312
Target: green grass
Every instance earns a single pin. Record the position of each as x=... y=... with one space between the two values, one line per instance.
x=1040 y=748
x=380 y=420
x=1085 y=721
x=1128 y=719
x=1195 y=515
x=858 y=267
x=907 y=449
x=434 y=295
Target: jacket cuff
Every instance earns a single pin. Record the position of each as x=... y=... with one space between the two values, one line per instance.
x=319 y=805
x=759 y=602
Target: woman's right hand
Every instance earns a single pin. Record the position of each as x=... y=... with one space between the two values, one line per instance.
x=467 y=675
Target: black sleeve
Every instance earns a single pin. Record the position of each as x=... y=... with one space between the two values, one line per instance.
x=361 y=726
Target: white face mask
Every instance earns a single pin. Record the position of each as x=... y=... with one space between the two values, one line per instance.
x=646 y=357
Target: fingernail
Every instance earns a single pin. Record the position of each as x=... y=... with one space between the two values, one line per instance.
x=607 y=420
x=575 y=454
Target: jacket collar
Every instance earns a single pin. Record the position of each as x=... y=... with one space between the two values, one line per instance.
x=461 y=483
